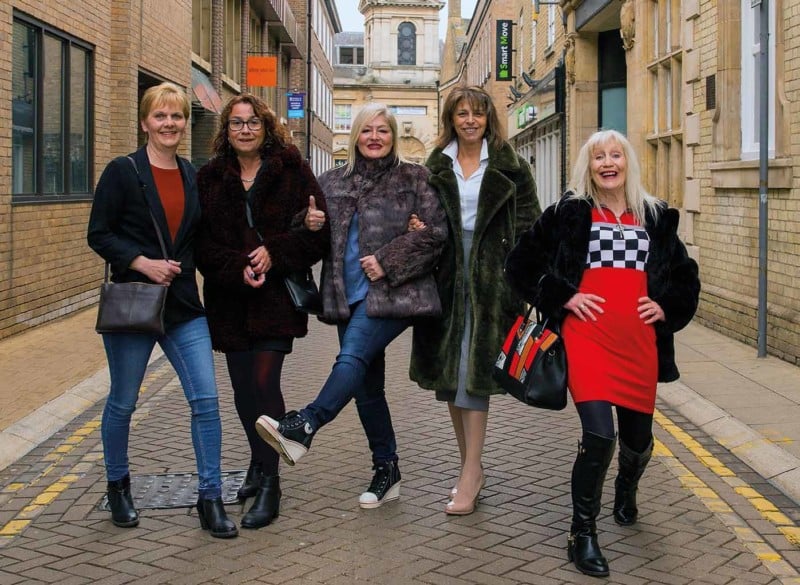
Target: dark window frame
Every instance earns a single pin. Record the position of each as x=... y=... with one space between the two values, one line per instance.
x=41 y=30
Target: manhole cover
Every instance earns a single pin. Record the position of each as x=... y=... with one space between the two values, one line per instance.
x=176 y=490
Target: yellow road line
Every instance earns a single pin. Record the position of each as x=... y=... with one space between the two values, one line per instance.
x=768 y=556
x=22 y=520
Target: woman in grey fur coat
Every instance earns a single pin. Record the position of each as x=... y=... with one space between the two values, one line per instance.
x=376 y=279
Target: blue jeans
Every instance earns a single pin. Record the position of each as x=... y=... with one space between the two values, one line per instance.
x=187 y=345
x=359 y=372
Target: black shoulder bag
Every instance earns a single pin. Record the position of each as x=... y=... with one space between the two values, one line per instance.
x=133 y=307
x=300 y=283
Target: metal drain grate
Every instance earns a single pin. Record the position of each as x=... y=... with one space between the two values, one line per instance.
x=176 y=490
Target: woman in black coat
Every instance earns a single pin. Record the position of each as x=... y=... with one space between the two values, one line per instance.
x=254 y=196
x=606 y=260
x=154 y=180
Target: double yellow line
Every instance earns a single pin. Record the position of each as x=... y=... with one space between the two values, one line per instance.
x=37 y=505
x=768 y=556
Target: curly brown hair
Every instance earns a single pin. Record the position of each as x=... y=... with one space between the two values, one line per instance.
x=275 y=135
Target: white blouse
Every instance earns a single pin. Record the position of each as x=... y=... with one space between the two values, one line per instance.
x=468 y=188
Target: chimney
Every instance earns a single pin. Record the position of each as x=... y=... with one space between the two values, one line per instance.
x=454 y=11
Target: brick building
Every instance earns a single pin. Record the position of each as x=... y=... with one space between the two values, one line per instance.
x=74 y=72
x=395 y=61
x=681 y=79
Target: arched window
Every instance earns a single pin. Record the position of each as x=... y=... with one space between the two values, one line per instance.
x=406 y=44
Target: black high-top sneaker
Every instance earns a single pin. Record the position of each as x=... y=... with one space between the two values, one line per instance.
x=290 y=435
x=385 y=485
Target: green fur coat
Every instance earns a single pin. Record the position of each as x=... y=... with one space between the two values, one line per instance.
x=507 y=206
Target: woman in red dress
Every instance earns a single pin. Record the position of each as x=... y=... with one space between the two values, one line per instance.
x=606 y=261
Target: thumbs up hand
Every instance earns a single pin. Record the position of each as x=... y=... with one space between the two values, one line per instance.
x=315 y=218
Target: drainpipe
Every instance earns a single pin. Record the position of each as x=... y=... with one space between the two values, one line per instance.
x=309 y=112
x=763 y=177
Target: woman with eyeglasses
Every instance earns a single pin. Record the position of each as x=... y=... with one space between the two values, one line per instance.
x=257 y=196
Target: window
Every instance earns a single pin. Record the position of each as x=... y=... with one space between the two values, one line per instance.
x=351 y=55
x=406 y=44
x=342 y=117
x=751 y=80
x=665 y=153
x=201 y=29
x=534 y=30
x=51 y=113
x=409 y=110
x=233 y=39
x=551 y=26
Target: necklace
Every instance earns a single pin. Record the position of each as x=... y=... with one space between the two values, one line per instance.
x=248 y=180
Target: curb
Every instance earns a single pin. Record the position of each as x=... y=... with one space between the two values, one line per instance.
x=20 y=438
x=775 y=464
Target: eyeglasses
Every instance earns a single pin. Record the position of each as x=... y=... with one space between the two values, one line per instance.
x=254 y=124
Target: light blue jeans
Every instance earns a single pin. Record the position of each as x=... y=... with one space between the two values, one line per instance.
x=187 y=345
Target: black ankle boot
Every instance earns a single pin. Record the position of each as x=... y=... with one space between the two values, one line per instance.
x=594 y=456
x=631 y=468
x=251 y=481
x=213 y=517
x=120 y=501
x=266 y=505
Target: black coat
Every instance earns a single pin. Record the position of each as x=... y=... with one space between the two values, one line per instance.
x=507 y=206
x=120 y=229
x=237 y=313
x=547 y=265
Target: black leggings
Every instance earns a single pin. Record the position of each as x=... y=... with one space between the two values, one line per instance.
x=635 y=428
x=256 y=380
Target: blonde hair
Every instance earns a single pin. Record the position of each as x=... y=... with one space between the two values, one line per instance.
x=367 y=114
x=162 y=94
x=637 y=199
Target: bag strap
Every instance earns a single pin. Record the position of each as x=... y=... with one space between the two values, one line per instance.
x=249 y=214
x=142 y=187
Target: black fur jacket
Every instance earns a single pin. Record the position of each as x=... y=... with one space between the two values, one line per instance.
x=547 y=264
x=384 y=194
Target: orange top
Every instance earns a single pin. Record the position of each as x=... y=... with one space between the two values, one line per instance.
x=170 y=189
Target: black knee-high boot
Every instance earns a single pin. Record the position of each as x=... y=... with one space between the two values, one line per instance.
x=594 y=456
x=631 y=468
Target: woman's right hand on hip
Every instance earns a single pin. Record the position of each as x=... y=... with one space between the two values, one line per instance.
x=584 y=305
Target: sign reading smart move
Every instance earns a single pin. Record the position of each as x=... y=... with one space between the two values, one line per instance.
x=295 y=104
x=503 y=66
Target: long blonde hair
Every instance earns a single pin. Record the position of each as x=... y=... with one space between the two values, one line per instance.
x=582 y=186
x=367 y=114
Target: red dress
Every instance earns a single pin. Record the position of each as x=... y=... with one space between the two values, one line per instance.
x=614 y=358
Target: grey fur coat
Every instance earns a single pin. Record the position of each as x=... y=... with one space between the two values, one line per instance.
x=384 y=194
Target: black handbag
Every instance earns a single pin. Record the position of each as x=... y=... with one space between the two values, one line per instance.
x=304 y=292
x=299 y=284
x=532 y=365
x=132 y=307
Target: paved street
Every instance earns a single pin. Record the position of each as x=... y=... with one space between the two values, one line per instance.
x=706 y=517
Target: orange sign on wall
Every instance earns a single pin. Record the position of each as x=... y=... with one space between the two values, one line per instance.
x=262 y=71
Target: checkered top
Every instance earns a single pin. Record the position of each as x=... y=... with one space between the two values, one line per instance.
x=613 y=245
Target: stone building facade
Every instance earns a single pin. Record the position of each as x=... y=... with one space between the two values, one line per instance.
x=72 y=80
x=394 y=61
x=681 y=79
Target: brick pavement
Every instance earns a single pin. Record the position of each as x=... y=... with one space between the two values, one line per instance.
x=700 y=520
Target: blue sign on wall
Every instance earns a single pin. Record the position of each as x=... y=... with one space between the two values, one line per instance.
x=296 y=104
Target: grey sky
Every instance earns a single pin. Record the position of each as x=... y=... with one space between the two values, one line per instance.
x=353 y=20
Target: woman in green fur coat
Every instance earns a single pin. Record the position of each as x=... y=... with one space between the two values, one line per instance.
x=489 y=195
